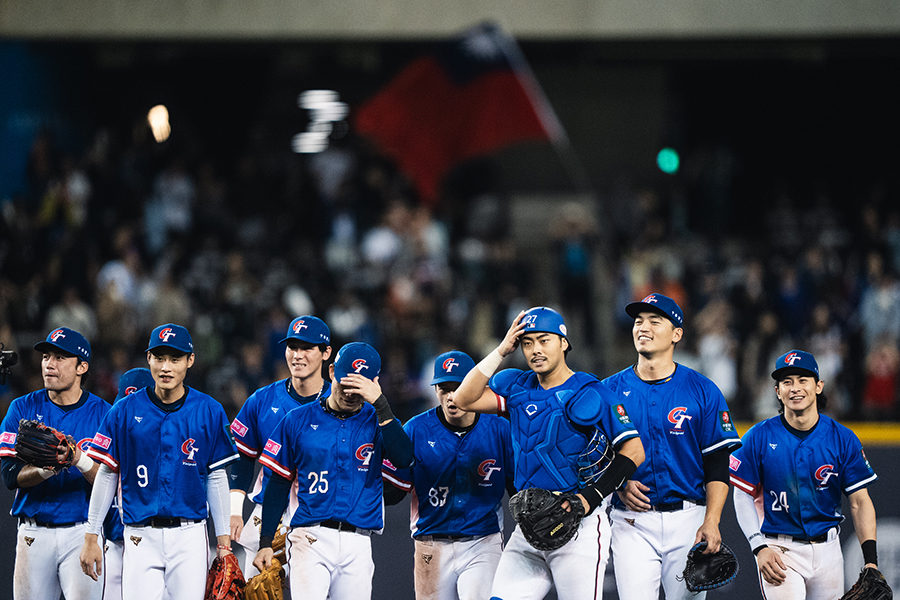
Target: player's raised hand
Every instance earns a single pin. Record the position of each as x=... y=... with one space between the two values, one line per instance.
x=263 y=559
x=633 y=496
x=91 y=557
x=237 y=526
x=771 y=567
x=511 y=341
x=369 y=389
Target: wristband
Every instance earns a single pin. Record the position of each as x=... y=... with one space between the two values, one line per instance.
x=382 y=409
x=84 y=463
x=490 y=363
x=222 y=547
x=237 y=504
x=758 y=548
x=870 y=552
x=265 y=541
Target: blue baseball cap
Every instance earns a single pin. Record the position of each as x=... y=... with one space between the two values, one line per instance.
x=357 y=357
x=795 y=362
x=132 y=381
x=171 y=336
x=452 y=366
x=659 y=304
x=308 y=329
x=68 y=341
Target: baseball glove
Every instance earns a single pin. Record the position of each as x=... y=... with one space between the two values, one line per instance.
x=543 y=521
x=267 y=585
x=278 y=543
x=709 y=571
x=871 y=585
x=43 y=446
x=225 y=580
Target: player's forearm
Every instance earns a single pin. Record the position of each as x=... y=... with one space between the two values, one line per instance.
x=398 y=448
x=105 y=486
x=472 y=387
x=219 y=502
x=242 y=473
x=748 y=519
x=716 y=495
x=275 y=500
x=30 y=476
x=863 y=513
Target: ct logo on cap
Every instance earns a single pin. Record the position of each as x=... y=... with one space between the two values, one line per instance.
x=57 y=334
x=449 y=364
x=359 y=364
x=791 y=358
x=166 y=333
x=650 y=299
x=298 y=326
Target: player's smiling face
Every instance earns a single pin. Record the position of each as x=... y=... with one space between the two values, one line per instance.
x=654 y=333
x=544 y=352
x=169 y=370
x=304 y=359
x=60 y=371
x=798 y=392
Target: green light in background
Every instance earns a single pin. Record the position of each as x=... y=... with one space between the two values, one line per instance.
x=668 y=161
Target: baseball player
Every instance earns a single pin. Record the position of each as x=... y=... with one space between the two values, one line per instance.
x=810 y=460
x=114 y=548
x=334 y=448
x=675 y=498
x=168 y=444
x=306 y=348
x=556 y=416
x=464 y=462
x=52 y=505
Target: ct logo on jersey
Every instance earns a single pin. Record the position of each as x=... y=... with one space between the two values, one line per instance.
x=449 y=364
x=823 y=474
x=166 y=333
x=298 y=326
x=678 y=416
x=486 y=469
x=189 y=449
x=791 y=358
x=83 y=444
x=364 y=453
x=359 y=364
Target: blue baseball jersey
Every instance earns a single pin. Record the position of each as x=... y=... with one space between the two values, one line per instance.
x=681 y=418
x=800 y=479
x=63 y=498
x=164 y=456
x=546 y=442
x=256 y=421
x=457 y=482
x=337 y=463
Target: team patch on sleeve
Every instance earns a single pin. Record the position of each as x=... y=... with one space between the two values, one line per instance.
x=239 y=428
x=622 y=415
x=733 y=463
x=725 y=421
x=861 y=451
x=102 y=441
x=9 y=437
x=272 y=447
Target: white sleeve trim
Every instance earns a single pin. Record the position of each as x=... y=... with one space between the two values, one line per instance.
x=105 y=485
x=625 y=435
x=716 y=446
x=224 y=461
x=849 y=490
x=219 y=502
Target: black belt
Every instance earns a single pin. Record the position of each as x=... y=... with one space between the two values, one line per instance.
x=339 y=525
x=165 y=522
x=36 y=523
x=452 y=538
x=673 y=506
x=819 y=539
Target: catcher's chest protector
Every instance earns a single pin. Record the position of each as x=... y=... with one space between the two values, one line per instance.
x=546 y=443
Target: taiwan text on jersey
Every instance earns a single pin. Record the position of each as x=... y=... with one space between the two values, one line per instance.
x=63 y=498
x=337 y=463
x=257 y=419
x=545 y=441
x=184 y=446
x=457 y=482
x=775 y=462
x=681 y=418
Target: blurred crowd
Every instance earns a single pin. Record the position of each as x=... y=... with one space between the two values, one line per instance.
x=129 y=234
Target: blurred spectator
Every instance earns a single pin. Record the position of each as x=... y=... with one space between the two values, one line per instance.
x=717 y=347
x=880 y=393
x=73 y=313
x=879 y=309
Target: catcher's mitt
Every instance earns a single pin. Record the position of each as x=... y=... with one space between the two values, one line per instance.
x=43 y=446
x=709 y=571
x=267 y=585
x=543 y=521
x=225 y=580
x=871 y=585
